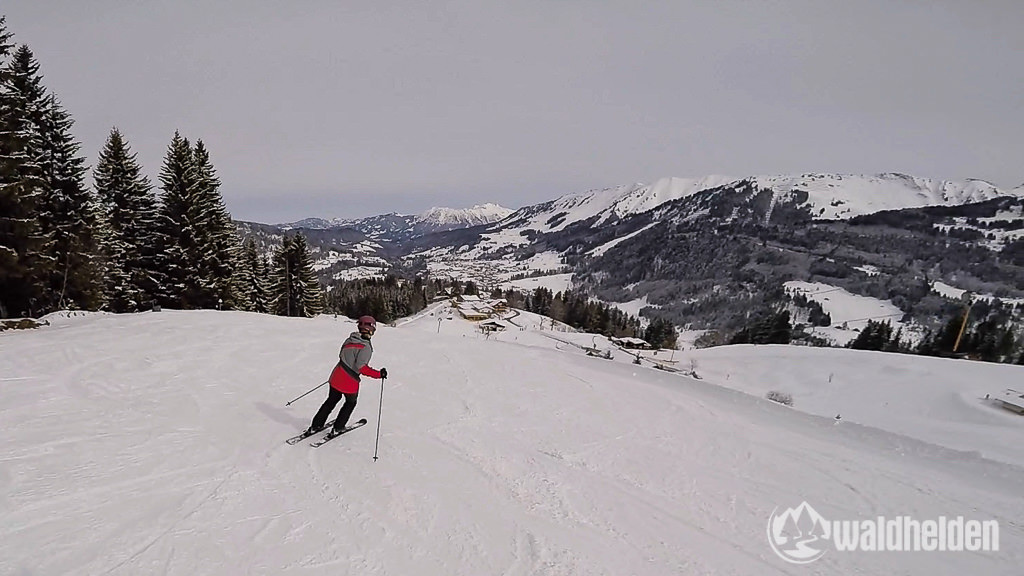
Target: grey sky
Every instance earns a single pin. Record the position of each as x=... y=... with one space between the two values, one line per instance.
x=351 y=108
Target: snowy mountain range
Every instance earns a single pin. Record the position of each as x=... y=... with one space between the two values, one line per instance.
x=811 y=196
x=399 y=227
x=822 y=196
x=739 y=236
x=818 y=196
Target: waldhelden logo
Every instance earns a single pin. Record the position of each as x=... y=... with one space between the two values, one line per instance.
x=800 y=535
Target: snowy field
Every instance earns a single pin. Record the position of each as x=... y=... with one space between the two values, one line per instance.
x=153 y=444
x=633 y=307
x=554 y=282
x=849 y=312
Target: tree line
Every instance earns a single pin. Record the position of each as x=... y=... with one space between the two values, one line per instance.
x=120 y=245
x=579 y=310
x=991 y=338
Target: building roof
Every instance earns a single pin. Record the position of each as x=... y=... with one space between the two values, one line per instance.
x=631 y=340
x=1013 y=397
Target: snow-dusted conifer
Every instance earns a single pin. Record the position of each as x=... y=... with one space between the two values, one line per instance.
x=179 y=243
x=252 y=280
x=68 y=212
x=216 y=233
x=23 y=244
x=295 y=290
x=130 y=211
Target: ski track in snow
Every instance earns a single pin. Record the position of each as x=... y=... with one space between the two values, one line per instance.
x=154 y=444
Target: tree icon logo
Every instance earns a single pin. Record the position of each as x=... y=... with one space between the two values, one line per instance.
x=798 y=535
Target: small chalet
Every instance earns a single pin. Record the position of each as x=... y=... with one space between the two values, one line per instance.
x=632 y=343
x=493 y=326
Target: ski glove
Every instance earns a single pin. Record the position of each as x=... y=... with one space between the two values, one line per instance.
x=383 y=372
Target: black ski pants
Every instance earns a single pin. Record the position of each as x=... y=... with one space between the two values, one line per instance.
x=333 y=397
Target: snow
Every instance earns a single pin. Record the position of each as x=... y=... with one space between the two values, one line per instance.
x=828 y=196
x=600 y=250
x=954 y=293
x=544 y=261
x=841 y=196
x=633 y=307
x=479 y=214
x=937 y=400
x=867 y=269
x=360 y=273
x=995 y=238
x=608 y=203
x=943 y=289
x=153 y=443
x=555 y=282
x=328 y=258
x=848 y=309
x=490 y=273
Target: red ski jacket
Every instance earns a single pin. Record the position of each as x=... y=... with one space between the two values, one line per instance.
x=353 y=361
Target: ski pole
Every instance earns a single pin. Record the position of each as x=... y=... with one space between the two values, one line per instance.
x=310 y=392
x=379 y=410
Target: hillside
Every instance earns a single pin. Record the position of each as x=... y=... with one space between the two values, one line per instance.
x=816 y=196
x=153 y=443
x=713 y=252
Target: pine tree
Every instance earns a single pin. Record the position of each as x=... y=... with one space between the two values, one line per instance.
x=309 y=286
x=130 y=211
x=69 y=214
x=926 y=347
x=661 y=333
x=179 y=244
x=945 y=339
x=296 y=290
x=199 y=247
x=875 y=336
x=781 y=331
x=251 y=280
x=23 y=243
x=895 y=344
x=217 y=234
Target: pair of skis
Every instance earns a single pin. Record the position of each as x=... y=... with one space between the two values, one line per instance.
x=328 y=437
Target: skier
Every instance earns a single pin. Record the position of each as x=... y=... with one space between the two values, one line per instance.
x=354 y=360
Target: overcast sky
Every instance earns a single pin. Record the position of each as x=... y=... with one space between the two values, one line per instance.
x=351 y=108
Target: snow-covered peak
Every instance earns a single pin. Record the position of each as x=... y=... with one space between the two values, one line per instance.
x=464 y=217
x=641 y=197
x=609 y=203
x=841 y=196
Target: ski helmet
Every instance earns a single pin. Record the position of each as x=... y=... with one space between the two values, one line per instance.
x=367 y=322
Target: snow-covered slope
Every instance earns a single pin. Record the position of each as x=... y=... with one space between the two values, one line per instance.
x=841 y=196
x=937 y=400
x=850 y=313
x=153 y=443
x=608 y=203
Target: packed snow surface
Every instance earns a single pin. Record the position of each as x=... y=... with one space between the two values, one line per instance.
x=154 y=444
